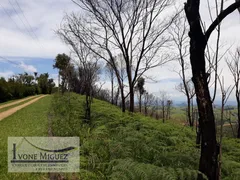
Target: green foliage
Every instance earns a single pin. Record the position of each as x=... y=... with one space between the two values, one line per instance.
x=128 y=169
x=66 y=112
x=23 y=85
x=140 y=85
x=61 y=62
x=45 y=83
x=120 y=145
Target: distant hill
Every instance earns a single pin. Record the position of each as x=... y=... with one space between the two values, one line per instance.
x=217 y=103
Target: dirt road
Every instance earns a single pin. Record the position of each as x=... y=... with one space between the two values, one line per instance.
x=16 y=102
x=15 y=109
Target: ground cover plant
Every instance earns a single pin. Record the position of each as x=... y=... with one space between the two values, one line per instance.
x=116 y=145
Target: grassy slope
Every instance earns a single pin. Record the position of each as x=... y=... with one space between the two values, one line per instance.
x=125 y=146
x=30 y=121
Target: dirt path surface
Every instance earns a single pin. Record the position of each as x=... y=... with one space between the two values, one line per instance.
x=15 y=109
x=16 y=102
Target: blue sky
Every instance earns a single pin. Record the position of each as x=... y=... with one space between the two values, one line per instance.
x=19 y=44
x=27 y=64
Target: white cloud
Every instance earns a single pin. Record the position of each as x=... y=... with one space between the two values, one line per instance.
x=27 y=68
x=55 y=78
x=6 y=74
x=44 y=17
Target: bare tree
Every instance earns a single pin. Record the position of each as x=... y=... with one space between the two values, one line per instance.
x=88 y=68
x=198 y=42
x=225 y=95
x=148 y=100
x=111 y=74
x=169 y=107
x=179 y=33
x=155 y=108
x=116 y=97
x=91 y=70
x=163 y=104
x=187 y=88
x=134 y=28
x=140 y=89
x=234 y=67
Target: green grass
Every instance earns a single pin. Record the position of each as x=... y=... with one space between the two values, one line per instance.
x=15 y=105
x=178 y=114
x=30 y=121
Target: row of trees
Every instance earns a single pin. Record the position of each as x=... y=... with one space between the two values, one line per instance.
x=134 y=36
x=125 y=34
x=83 y=78
x=25 y=84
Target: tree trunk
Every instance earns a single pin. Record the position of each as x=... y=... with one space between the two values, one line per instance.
x=145 y=111
x=87 y=109
x=131 y=94
x=123 y=100
x=209 y=150
x=121 y=86
x=112 y=88
x=117 y=96
x=140 y=102
x=58 y=81
x=192 y=115
x=189 y=112
x=163 y=113
x=131 y=86
x=238 y=105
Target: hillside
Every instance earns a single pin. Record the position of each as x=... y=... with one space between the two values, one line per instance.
x=131 y=146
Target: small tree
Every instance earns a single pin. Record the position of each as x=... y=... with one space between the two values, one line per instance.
x=88 y=68
x=179 y=33
x=169 y=107
x=45 y=84
x=225 y=95
x=234 y=67
x=187 y=88
x=148 y=101
x=62 y=62
x=140 y=89
x=110 y=72
x=163 y=104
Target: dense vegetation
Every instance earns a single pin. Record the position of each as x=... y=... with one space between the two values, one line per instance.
x=24 y=85
x=118 y=145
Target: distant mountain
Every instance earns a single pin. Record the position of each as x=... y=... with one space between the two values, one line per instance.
x=217 y=103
